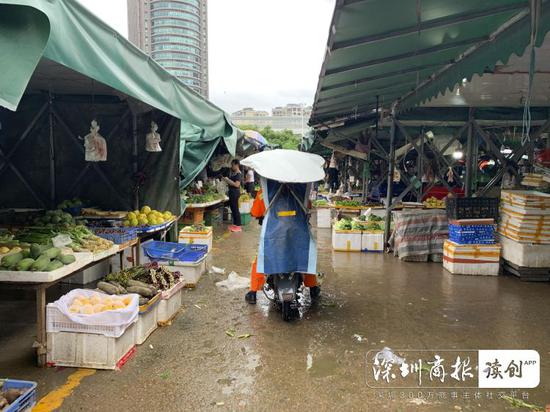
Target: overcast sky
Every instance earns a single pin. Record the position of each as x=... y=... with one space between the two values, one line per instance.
x=263 y=53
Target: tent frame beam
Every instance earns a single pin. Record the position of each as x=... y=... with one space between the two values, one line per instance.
x=414 y=53
x=427 y=25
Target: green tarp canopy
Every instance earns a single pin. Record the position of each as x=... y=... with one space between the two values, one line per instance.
x=405 y=52
x=65 y=32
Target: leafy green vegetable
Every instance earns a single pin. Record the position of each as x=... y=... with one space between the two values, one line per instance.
x=348 y=203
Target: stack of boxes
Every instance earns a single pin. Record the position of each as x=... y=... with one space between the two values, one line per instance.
x=525 y=233
x=471 y=248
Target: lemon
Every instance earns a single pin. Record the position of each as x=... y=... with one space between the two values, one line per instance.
x=143 y=221
x=136 y=212
x=134 y=222
x=131 y=215
x=126 y=223
x=145 y=210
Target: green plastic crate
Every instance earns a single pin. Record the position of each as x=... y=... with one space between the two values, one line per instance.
x=245 y=218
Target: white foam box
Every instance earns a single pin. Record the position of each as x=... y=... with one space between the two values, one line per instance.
x=525 y=254
x=170 y=303
x=346 y=240
x=323 y=217
x=372 y=242
x=91 y=274
x=197 y=238
x=86 y=350
x=471 y=259
x=190 y=272
x=147 y=319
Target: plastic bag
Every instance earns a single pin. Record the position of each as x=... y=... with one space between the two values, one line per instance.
x=152 y=139
x=233 y=282
x=95 y=145
x=118 y=317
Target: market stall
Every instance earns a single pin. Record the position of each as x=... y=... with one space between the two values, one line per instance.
x=87 y=115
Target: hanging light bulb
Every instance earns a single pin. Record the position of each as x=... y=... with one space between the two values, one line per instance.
x=458 y=154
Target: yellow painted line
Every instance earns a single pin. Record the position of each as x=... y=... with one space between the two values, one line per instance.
x=54 y=399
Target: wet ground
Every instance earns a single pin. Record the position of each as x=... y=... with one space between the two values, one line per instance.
x=369 y=301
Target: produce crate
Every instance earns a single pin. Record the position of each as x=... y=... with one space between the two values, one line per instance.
x=87 y=350
x=471 y=259
x=346 y=240
x=147 y=319
x=26 y=401
x=372 y=241
x=213 y=217
x=472 y=208
x=190 y=272
x=197 y=238
x=525 y=254
x=472 y=234
x=170 y=303
x=163 y=250
x=117 y=235
x=245 y=218
x=324 y=218
x=56 y=321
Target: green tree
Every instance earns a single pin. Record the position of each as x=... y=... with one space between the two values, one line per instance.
x=284 y=138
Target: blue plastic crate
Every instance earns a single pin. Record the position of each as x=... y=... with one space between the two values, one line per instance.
x=157 y=250
x=24 y=402
x=117 y=235
x=472 y=234
x=192 y=253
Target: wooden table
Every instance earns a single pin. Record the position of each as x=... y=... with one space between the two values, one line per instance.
x=194 y=212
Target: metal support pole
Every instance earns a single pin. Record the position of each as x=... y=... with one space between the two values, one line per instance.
x=389 y=191
x=420 y=167
x=135 y=157
x=52 y=153
x=469 y=155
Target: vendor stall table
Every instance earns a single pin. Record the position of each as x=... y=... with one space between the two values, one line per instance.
x=419 y=234
x=194 y=212
x=40 y=284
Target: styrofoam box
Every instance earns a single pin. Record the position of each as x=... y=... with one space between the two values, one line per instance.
x=86 y=350
x=324 y=217
x=93 y=273
x=190 y=272
x=346 y=240
x=525 y=254
x=167 y=308
x=197 y=238
x=487 y=269
x=147 y=322
x=372 y=242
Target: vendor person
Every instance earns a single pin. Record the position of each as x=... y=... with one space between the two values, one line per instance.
x=234 y=192
x=249 y=182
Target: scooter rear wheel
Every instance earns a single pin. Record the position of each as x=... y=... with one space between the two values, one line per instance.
x=287 y=311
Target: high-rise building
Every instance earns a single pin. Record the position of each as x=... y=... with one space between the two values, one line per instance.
x=175 y=34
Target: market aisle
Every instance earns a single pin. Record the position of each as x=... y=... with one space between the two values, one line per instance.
x=195 y=365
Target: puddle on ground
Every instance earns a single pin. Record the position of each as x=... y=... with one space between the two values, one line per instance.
x=322 y=366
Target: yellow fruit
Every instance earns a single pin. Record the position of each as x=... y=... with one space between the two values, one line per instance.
x=143 y=221
x=151 y=216
x=134 y=222
x=136 y=212
x=126 y=223
x=145 y=209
